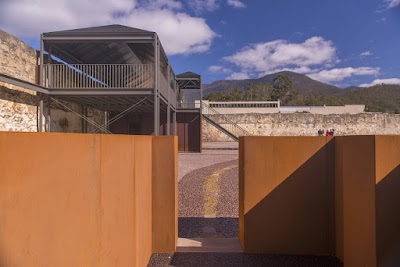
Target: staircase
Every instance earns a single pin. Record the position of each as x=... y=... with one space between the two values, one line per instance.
x=230 y=128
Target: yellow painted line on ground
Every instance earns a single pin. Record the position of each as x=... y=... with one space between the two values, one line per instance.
x=211 y=192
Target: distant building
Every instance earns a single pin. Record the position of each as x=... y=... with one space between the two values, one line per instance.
x=265 y=107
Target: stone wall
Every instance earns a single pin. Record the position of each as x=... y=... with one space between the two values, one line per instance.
x=306 y=124
x=17 y=59
x=18 y=106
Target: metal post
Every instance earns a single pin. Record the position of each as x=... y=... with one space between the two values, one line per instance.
x=105 y=121
x=41 y=60
x=168 y=120
x=156 y=98
x=168 y=105
x=40 y=114
x=84 y=122
x=49 y=69
x=48 y=117
x=174 y=122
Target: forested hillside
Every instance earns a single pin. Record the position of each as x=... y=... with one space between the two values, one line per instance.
x=299 y=90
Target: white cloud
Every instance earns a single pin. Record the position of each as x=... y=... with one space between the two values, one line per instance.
x=366 y=54
x=28 y=18
x=382 y=81
x=393 y=3
x=238 y=76
x=314 y=57
x=204 y=5
x=157 y=4
x=219 y=69
x=339 y=74
x=269 y=56
x=302 y=70
x=236 y=3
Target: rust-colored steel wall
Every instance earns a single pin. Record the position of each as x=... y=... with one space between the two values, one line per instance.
x=286 y=195
x=320 y=195
x=165 y=194
x=387 y=149
x=79 y=199
x=355 y=200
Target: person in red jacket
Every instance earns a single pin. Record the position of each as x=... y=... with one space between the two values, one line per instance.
x=328 y=133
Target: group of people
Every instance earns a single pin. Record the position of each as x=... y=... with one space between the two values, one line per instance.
x=330 y=132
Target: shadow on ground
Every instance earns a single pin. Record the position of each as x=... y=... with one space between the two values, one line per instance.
x=199 y=227
x=241 y=259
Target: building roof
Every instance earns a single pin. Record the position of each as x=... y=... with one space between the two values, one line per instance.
x=114 y=29
x=188 y=74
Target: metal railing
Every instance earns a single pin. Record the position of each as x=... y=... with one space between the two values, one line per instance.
x=98 y=76
x=229 y=125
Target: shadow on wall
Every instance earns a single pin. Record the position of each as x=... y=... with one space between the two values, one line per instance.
x=293 y=214
x=17 y=96
x=388 y=219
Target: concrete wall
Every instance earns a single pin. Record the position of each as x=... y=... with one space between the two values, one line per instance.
x=306 y=124
x=84 y=200
x=322 y=195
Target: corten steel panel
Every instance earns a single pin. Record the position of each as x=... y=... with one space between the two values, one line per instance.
x=387 y=149
x=75 y=200
x=143 y=198
x=286 y=195
x=355 y=200
x=165 y=194
x=50 y=200
x=117 y=193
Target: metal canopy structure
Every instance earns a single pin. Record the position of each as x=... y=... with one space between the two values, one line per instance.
x=190 y=92
x=109 y=68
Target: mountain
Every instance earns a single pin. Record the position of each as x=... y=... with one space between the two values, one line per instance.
x=308 y=92
x=300 y=83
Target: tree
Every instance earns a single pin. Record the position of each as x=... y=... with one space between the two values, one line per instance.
x=282 y=86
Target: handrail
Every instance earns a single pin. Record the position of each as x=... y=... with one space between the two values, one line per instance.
x=234 y=125
x=98 y=76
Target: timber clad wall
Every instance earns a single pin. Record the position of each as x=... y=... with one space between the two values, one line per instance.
x=84 y=200
x=322 y=195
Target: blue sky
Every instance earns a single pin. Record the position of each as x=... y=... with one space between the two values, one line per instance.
x=337 y=42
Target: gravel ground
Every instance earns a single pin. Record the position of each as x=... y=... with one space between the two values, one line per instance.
x=241 y=260
x=191 y=203
x=213 y=153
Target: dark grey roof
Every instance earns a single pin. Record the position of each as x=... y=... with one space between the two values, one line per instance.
x=101 y=30
x=188 y=74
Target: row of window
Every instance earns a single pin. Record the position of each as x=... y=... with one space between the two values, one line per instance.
x=244 y=105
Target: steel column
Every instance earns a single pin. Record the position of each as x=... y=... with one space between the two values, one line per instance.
x=41 y=60
x=168 y=96
x=48 y=117
x=84 y=122
x=40 y=119
x=174 y=122
x=156 y=97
